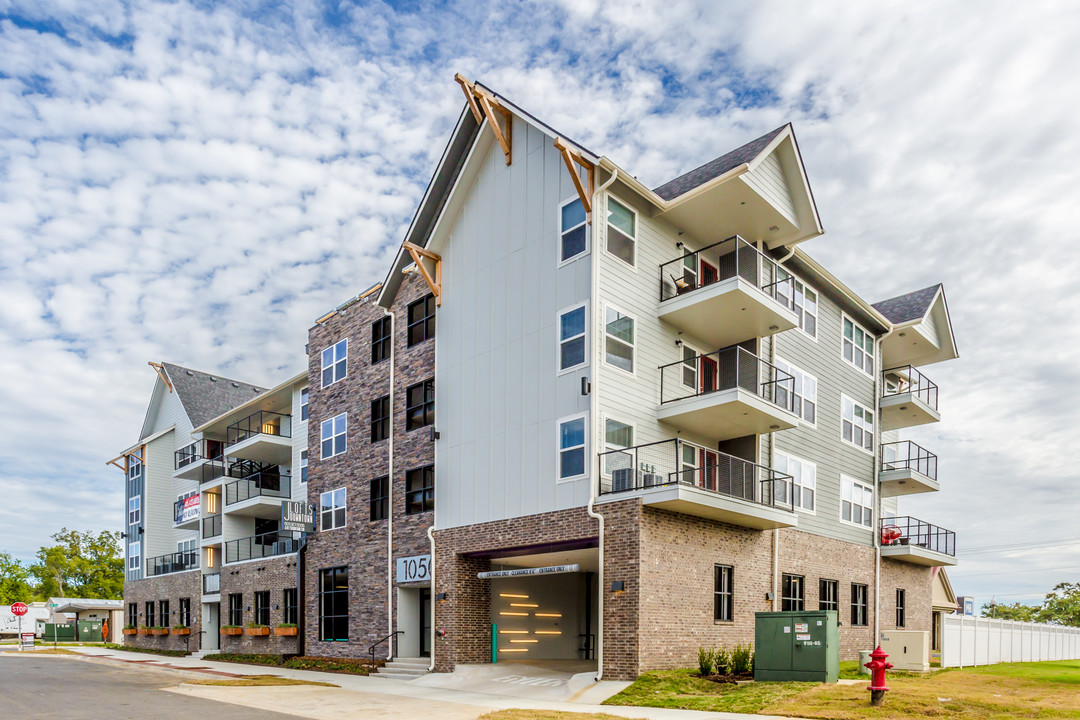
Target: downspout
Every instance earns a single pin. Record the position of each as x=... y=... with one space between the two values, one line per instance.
x=390 y=502
x=772 y=461
x=878 y=368
x=594 y=407
x=434 y=513
x=434 y=600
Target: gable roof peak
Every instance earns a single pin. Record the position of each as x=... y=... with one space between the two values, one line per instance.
x=715 y=168
x=204 y=395
x=909 y=306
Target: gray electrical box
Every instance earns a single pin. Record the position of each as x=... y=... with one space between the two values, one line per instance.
x=801 y=646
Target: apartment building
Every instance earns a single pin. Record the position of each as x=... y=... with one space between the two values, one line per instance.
x=204 y=485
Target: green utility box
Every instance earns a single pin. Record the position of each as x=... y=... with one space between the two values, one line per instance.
x=60 y=632
x=800 y=646
x=88 y=630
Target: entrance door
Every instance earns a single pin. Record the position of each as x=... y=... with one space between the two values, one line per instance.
x=709 y=274
x=707 y=373
x=425 y=622
x=709 y=461
x=211 y=627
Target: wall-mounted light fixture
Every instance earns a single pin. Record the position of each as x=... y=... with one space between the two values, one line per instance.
x=586 y=387
x=618 y=586
x=678 y=343
x=441 y=597
x=769 y=596
x=434 y=434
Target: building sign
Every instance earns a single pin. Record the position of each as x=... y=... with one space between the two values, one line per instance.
x=297 y=516
x=187 y=509
x=520 y=572
x=414 y=569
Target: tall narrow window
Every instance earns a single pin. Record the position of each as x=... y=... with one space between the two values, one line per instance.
x=333 y=436
x=856 y=502
x=723 y=593
x=792 y=292
x=380 y=498
x=334 y=604
x=573 y=240
x=420 y=490
x=290 y=611
x=619 y=340
x=420 y=405
x=335 y=362
x=828 y=595
x=163 y=606
x=803 y=391
x=332 y=509
x=304 y=404
x=134 y=510
x=262 y=607
x=571 y=448
x=380 y=340
x=858 y=346
x=858 y=604
x=791 y=594
x=572 y=338
x=803 y=484
x=185 y=612
x=380 y=419
x=621 y=231
x=133 y=614
x=150 y=621
x=856 y=424
x=901 y=601
x=303 y=466
x=421 y=320
x=236 y=609
x=134 y=557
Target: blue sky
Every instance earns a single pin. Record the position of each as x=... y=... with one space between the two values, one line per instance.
x=197 y=182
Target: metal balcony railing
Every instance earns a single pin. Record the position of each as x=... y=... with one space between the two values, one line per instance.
x=196 y=451
x=917 y=533
x=721 y=261
x=273 y=484
x=211 y=584
x=906 y=455
x=725 y=370
x=674 y=462
x=265 y=545
x=260 y=423
x=906 y=379
x=172 y=563
x=211 y=526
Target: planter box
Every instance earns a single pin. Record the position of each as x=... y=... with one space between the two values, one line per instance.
x=181 y=631
x=131 y=631
x=258 y=631
x=286 y=632
x=144 y=631
x=160 y=631
x=231 y=631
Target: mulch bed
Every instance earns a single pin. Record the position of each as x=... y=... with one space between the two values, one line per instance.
x=728 y=679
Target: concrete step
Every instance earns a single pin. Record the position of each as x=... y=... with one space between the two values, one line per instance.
x=411 y=662
x=404 y=668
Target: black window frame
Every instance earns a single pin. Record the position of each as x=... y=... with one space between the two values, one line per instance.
x=380 y=340
x=133 y=614
x=420 y=499
x=290 y=606
x=185 y=612
x=236 y=609
x=901 y=607
x=379 y=498
x=420 y=405
x=420 y=328
x=163 y=613
x=860 y=616
x=723 y=593
x=829 y=595
x=261 y=607
x=149 y=618
x=380 y=419
x=789 y=601
x=336 y=600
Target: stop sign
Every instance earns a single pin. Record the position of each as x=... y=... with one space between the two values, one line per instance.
x=19 y=609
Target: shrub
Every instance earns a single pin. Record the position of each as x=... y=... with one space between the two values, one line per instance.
x=230 y=627
x=722 y=661
x=286 y=625
x=180 y=626
x=153 y=651
x=342 y=665
x=130 y=627
x=251 y=659
x=742 y=659
x=705 y=660
x=256 y=625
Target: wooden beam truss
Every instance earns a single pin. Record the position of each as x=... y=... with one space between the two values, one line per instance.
x=418 y=255
x=161 y=374
x=585 y=190
x=485 y=105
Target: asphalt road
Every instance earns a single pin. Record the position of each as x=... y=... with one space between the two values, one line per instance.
x=63 y=688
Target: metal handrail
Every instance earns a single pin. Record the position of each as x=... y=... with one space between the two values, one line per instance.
x=262 y=422
x=371 y=649
x=726 y=259
x=186 y=456
x=259 y=484
x=726 y=369
x=906 y=455
x=906 y=379
x=211 y=526
x=264 y=545
x=917 y=533
x=172 y=563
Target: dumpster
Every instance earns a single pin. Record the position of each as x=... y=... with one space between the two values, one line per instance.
x=797 y=646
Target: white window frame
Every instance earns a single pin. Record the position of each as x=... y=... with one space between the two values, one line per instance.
x=305 y=402
x=797 y=281
x=133 y=464
x=559 y=449
x=559 y=339
x=857 y=351
x=637 y=226
x=844 y=399
x=633 y=345
x=333 y=508
x=303 y=466
x=806 y=465
x=796 y=371
x=323 y=437
x=847 y=482
x=134 y=554
x=561 y=231
x=134 y=510
x=605 y=472
x=334 y=361
x=187 y=545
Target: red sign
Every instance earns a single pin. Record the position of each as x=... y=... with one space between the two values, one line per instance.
x=18 y=609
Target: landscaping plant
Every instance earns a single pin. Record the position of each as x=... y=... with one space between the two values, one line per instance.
x=705 y=660
x=742 y=659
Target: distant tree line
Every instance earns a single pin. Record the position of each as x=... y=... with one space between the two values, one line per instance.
x=77 y=564
x=1061 y=607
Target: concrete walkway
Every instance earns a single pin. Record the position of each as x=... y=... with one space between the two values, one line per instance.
x=364 y=697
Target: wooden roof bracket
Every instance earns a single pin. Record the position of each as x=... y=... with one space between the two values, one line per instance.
x=570 y=157
x=161 y=374
x=484 y=104
x=435 y=283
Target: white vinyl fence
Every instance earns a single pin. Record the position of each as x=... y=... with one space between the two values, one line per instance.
x=982 y=641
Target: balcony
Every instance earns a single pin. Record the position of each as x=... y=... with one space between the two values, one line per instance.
x=263 y=437
x=680 y=477
x=189 y=461
x=211 y=527
x=917 y=542
x=258 y=494
x=726 y=394
x=259 y=546
x=186 y=512
x=907 y=469
x=211 y=584
x=908 y=399
x=726 y=293
x=172 y=563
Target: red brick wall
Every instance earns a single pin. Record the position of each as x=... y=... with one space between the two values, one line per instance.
x=273 y=574
x=170 y=587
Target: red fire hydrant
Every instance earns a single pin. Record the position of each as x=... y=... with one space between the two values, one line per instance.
x=878 y=666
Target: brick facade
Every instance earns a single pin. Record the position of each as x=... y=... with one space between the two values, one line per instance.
x=273 y=574
x=171 y=588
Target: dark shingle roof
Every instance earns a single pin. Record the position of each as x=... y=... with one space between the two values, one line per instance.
x=905 y=308
x=205 y=396
x=715 y=168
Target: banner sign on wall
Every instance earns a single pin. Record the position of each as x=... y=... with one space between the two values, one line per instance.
x=520 y=572
x=414 y=569
x=188 y=508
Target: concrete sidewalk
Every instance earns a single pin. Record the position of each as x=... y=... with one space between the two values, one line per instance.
x=372 y=696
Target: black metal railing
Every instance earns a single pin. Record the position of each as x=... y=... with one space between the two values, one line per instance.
x=917 y=533
x=722 y=261
x=906 y=379
x=265 y=545
x=726 y=369
x=172 y=563
x=675 y=462
x=371 y=650
x=211 y=584
x=263 y=422
x=196 y=451
x=211 y=526
x=215 y=469
x=260 y=484
x=906 y=455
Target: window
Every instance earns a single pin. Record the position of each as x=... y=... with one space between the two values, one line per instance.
x=828 y=595
x=262 y=607
x=572 y=448
x=803 y=484
x=858 y=346
x=335 y=362
x=420 y=490
x=236 y=609
x=858 y=604
x=621 y=231
x=135 y=470
x=380 y=340
x=804 y=300
x=901 y=601
x=304 y=404
x=803 y=390
x=185 y=612
x=334 y=604
x=618 y=435
x=723 y=593
x=572 y=338
x=163 y=616
x=791 y=596
x=380 y=498
x=856 y=424
x=133 y=614
x=290 y=606
x=380 y=419
x=134 y=510
x=134 y=556
x=421 y=320
x=856 y=502
x=187 y=546
x=420 y=405
x=150 y=620
x=619 y=340
x=333 y=436
x=303 y=466
x=332 y=509
x=573 y=232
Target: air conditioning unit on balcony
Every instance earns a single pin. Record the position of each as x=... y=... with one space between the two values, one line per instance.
x=622 y=479
x=652 y=479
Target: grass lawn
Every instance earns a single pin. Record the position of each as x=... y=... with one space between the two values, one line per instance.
x=258 y=681
x=683 y=690
x=546 y=715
